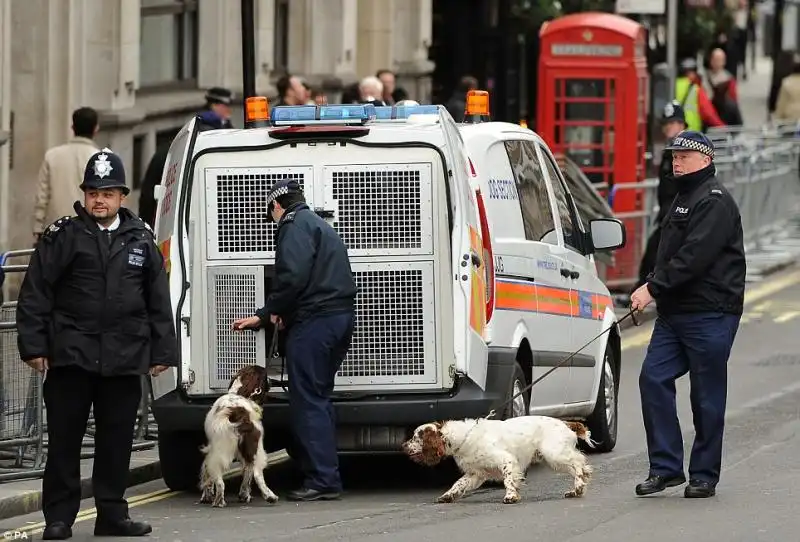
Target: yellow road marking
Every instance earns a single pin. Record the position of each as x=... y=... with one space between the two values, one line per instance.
x=275 y=458
x=641 y=338
x=786 y=316
x=638 y=339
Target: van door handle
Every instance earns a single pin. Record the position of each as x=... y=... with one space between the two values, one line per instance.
x=574 y=274
x=476 y=260
x=565 y=272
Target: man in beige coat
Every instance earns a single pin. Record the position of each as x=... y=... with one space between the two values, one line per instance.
x=62 y=171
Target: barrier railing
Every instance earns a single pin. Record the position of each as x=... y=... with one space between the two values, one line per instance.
x=23 y=418
x=760 y=169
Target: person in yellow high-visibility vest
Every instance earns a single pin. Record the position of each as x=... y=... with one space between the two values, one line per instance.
x=689 y=93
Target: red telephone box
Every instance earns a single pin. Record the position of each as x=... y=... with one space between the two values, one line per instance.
x=593 y=87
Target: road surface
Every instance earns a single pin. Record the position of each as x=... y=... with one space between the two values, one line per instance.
x=394 y=500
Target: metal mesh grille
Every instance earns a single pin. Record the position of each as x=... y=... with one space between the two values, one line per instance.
x=235 y=296
x=389 y=336
x=381 y=208
x=241 y=211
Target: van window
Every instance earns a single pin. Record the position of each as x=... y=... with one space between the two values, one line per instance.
x=537 y=216
x=571 y=236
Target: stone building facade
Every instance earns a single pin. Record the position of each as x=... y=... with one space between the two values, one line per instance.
x=144 y=64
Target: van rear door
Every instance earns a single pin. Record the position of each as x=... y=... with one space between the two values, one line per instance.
x=169 y=233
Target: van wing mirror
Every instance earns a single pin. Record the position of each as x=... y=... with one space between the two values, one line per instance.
x=607 y=234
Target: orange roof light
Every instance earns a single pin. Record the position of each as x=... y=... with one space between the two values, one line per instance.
x=477 y=103
x=256 y=109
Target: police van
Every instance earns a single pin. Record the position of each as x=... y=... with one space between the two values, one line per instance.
x=471 y=283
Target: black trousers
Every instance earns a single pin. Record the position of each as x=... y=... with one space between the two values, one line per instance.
x=69 y=393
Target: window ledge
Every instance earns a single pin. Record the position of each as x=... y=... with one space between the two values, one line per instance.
x=150 y=105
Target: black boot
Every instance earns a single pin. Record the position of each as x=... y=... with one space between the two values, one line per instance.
x=58 y=530
x=656 y=484
x=698 y=489
x=126 y=527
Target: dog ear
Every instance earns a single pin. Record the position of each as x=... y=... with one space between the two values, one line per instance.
x=433 y=445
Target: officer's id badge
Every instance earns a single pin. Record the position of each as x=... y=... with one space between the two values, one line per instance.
x=669 y=109
x=102 y=167
x=136 y=257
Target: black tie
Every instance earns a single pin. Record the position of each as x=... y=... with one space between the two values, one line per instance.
x=108 y=237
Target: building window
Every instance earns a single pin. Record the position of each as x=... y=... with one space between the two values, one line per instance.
x=281 y=47
x=168 y=43
x=138 y=161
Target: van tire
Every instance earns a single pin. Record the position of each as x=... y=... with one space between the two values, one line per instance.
x=603 y=429
x=517 y=383
x=181 y=458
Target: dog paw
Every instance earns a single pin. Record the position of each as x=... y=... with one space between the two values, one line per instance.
x=244 y=498
x=445 y=498
x=219 y=503
x=271 y=499
x=511 y=499
x=571 y=494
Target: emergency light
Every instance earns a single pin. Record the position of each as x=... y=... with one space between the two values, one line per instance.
x=404 y=111
x=305 y=115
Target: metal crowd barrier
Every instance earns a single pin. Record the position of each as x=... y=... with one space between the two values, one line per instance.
x=23 y=417
x=760 y=168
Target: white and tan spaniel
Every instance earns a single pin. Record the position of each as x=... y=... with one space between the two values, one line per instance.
x=502 y=450
x=234 y=431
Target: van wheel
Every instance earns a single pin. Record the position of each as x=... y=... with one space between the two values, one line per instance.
x=181 y=458
x=518 y=406
x=603 y=422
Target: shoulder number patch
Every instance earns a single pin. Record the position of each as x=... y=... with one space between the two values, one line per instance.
x=56 y=226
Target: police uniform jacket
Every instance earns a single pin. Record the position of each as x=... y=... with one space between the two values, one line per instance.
x=98 y=306
x=700 y=265
x=312 y=269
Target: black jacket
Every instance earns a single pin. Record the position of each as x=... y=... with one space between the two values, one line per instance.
x=700 y=265
x=104 y=308
x=312 y=269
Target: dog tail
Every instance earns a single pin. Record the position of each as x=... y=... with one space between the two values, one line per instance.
x=582 y=432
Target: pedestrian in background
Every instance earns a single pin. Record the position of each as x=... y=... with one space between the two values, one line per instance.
x=93 y=316
x=313 y=298
x=698 y=286
x=672 y=123
x=62 y=170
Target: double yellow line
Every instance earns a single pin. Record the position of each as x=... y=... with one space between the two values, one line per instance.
x=635 y=340
x=275 y=458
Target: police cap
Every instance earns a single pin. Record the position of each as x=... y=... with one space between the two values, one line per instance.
x=689 y=140
x=673 y=112
x=104 y=170
x=283 y=187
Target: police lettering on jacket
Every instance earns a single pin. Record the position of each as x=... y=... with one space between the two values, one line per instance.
x=99 y=306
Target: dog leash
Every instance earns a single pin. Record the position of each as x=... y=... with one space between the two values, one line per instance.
x=273 y=353
x=630 y=314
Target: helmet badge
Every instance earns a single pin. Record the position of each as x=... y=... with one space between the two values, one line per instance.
x=102 y=167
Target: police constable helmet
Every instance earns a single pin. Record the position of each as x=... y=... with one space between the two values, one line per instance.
x=689 y=140
x=104 y=170
x=281 y=188
x=673 y=112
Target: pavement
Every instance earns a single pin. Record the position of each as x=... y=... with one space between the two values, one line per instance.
x=389 y=498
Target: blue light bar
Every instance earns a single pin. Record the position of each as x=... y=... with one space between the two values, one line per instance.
x=306 y=115
x=403 y=112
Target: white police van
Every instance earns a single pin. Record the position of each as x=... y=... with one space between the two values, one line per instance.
x=438 y=336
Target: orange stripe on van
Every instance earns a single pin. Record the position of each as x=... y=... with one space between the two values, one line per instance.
x=530 y=296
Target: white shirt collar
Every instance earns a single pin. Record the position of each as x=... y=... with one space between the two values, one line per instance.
x=114 y=225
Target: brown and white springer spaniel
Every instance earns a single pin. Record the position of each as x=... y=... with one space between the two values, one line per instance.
x=234 y=431
x=502 y=450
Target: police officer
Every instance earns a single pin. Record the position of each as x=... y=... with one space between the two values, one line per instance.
x=698 y=286
x=93 y=316
x=673 y=122
x=313 y=298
